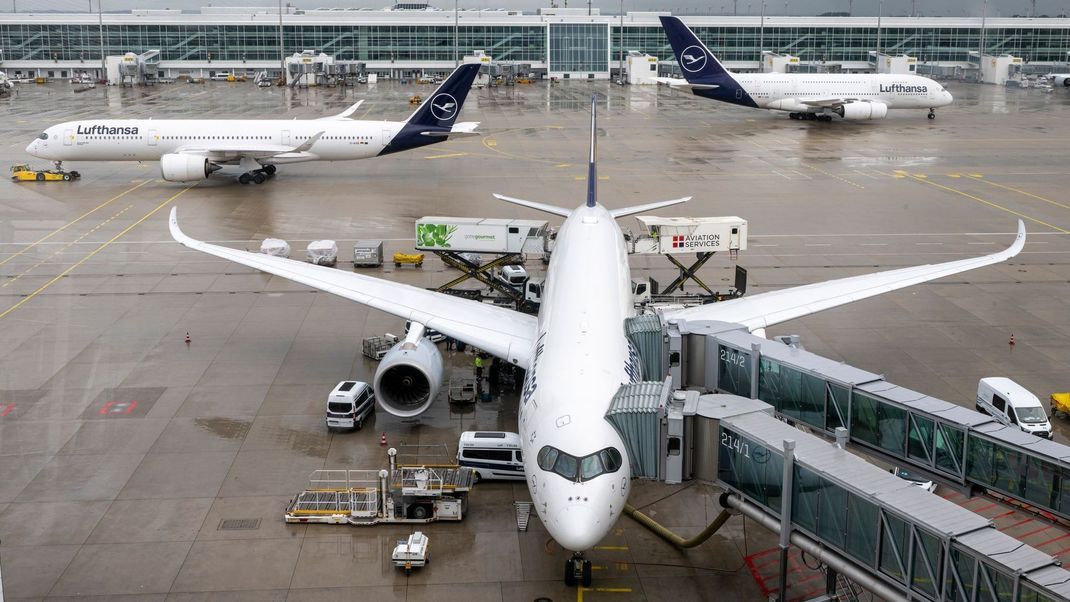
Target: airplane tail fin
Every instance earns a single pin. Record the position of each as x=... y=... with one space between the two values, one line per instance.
x=442 y=107
x=697 y=63
x=592 y=165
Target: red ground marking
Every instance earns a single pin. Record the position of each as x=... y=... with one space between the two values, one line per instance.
x=6 y=409
x=117 y=407
x=1033 y=532
x=1052 y=540
x=1061 y=552
x=758 y=575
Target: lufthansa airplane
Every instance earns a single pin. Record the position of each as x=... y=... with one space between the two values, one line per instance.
x=191 y=149
x=803 y=95
x=575 y=353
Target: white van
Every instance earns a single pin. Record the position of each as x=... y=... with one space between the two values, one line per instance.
x=512 y=275
x=1011 y=404
x=493 y=454
x=349 y=404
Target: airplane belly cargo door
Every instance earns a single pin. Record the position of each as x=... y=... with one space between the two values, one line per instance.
x=285 y=138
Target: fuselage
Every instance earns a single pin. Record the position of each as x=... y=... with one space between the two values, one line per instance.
x=580 y=360
x=150 y=139
x=787 y=91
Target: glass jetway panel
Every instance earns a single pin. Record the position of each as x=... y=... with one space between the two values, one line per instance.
x=1020 y=465
x=924 y=545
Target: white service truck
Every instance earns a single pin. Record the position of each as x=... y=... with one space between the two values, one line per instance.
x=477 y=235
x=1013 y=405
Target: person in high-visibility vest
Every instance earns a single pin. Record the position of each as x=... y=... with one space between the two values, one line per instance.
x=479 y=366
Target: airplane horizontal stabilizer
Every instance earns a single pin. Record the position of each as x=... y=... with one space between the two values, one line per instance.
x=682 y=84
x=626 y=211
x=459 y=130
x=536 y=206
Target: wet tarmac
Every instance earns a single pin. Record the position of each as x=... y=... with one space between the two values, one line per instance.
x=123 y=449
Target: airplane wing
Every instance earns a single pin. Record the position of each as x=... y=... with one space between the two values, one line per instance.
x=767 y=309
x=459 y=130
x=222 y=153
x=827 y=102
x=499 y=331
x=683 y=84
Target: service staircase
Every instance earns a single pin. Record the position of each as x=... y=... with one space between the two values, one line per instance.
x=523 y=514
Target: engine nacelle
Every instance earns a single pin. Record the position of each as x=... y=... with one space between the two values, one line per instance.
x=176 y=167
x=1061 y=80
x=863 y=110
x=408 y=378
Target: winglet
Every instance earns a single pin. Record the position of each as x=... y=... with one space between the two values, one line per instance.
x=348 y=113
x=176 y=232
x=592 y=168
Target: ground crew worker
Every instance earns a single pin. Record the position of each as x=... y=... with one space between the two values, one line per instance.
x=479 y=366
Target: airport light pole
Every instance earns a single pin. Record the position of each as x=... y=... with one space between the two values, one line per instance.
x=100 y=23
x=282 y=49
x=456 y=28
x=620 y=42
x=761 y=40
x=880 y=12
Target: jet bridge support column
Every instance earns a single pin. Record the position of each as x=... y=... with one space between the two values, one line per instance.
x=785 y=515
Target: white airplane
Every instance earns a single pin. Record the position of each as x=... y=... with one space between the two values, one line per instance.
x=191 y=149
x=1060 y=79
x=803 y=95
x=575 y=352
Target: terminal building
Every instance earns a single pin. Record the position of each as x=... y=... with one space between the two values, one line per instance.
x=415 y=39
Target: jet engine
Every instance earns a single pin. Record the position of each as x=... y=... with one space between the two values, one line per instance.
x=409 y=376
x=1060 y=80
x=862 y=110
x=176 y=167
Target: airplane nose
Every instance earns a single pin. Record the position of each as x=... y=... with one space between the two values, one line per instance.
x=32 y=148
x=576 y=529
x=948 y=97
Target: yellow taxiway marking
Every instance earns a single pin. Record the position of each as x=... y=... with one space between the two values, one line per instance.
x=986 y=202
x=844 y=180
x=563 y=165
x=446 y=156
x=64 y=247
x=490 y=142
x=613 y=590
x=1019 y=191
x=611 y=547
x=95 y=251
x=75 y=221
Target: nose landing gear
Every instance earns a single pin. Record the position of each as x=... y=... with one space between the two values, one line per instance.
x=932 y=113
x=578 y=570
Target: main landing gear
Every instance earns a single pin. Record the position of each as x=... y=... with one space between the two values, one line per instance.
x=578 y=570
x=257 y=176
x=932 y=113
x=811 y=117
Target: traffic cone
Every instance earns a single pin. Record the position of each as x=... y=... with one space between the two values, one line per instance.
x=382 y=439
x=187 y=338
x=1011 y=342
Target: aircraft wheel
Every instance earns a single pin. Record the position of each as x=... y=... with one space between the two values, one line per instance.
x=793 y=115
x=244 y=178
x=586 y=578
x=270 y=170
x=932 y=114
x=259 y=177
x=570 y=577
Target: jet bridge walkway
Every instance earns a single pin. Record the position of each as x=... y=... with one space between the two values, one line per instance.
x=896 y=540
x=955 y=444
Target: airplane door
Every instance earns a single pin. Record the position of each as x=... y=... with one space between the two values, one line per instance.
x=68 y=137
x=286 y=137
x=388 y=135
x=153 y=137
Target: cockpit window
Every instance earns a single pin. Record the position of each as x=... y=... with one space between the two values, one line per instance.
x=43 y=136
x=579 y=469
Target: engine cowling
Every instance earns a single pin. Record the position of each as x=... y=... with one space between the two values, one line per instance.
x=863 y=110
x=176 y=167
x=1061 y=80
x=408 y=378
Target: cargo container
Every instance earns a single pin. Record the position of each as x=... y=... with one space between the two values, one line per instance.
x=368 y=253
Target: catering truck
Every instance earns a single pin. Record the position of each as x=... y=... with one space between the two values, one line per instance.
x=477 y=235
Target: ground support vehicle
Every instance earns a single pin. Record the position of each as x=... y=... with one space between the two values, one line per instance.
x=21 y=172
x=412 y=552
x=377 y=347
x=414 y=259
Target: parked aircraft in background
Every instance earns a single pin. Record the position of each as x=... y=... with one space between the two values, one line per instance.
x=191 y=149
x=802 y=95
x=575 y=352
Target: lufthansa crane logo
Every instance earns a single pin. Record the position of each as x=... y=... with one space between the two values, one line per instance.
x=692 y=59
x=443 y=107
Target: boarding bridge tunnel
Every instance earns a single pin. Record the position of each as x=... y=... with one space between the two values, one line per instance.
x=897 y=540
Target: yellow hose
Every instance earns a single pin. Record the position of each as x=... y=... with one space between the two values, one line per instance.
x=673 y=538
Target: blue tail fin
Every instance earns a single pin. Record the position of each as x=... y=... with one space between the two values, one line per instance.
x=700 y=66
x=592 y=166
x=435 y=117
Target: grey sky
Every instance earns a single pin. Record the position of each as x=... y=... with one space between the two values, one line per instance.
x=953 y=8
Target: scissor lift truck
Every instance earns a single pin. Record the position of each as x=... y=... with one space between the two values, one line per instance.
x=405 y=494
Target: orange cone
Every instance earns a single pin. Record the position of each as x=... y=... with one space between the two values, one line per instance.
x=382 y=439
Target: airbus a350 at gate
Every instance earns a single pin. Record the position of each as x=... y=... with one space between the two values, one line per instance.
x=575 y=353
x=191 y=149
x=802 y=95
